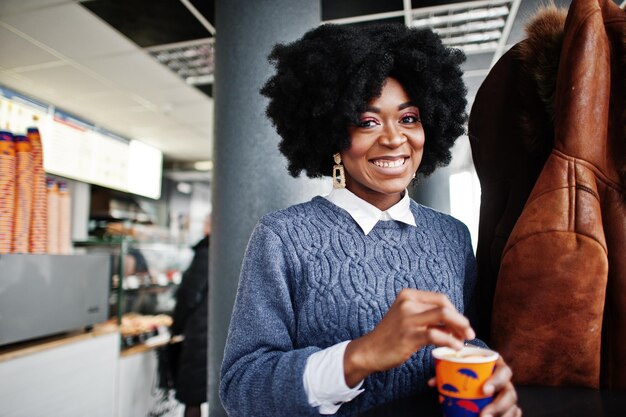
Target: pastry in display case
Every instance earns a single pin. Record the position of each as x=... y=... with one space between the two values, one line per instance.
x=139 y=328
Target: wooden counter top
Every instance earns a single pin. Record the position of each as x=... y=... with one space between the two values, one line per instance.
x=17 y=350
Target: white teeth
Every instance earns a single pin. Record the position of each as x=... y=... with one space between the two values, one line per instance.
x=389 y=164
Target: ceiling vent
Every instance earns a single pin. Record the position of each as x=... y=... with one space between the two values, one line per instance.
x=474 y=27
x=193 y=61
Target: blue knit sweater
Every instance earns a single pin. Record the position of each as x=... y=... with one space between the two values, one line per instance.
x=311 y=279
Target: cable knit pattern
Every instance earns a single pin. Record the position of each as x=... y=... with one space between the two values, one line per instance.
x=311 y=279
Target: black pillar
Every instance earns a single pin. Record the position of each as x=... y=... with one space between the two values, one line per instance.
x=250 y=176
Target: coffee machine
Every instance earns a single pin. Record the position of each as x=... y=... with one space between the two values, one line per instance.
x=42 y=295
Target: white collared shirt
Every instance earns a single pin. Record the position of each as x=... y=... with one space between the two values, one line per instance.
x=367 y=215
x=324 y=380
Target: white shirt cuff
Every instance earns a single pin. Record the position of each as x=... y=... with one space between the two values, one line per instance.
x=324 y=380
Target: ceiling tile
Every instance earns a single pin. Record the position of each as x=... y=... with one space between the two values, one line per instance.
x=107 y=102
x=150 y=131
x=168 y=98
x=26 y=86
x=65 y=80
x=76 y=107
x=177 y=132
x=18 y=52
x=139 y=73
x=182 y=94
x=71 y=30
x=205 y=127
x=143 y=119
x=199 y=113
x=8 y=7
x=206 y=131
x=137 y=123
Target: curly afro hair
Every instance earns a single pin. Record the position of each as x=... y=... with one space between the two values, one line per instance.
x=324 y=80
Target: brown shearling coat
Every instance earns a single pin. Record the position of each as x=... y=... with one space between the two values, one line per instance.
x=548 y=136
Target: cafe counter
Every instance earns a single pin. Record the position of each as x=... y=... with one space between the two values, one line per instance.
x=83 y=373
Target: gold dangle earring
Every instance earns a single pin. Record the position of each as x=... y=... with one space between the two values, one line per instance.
x=339 y=179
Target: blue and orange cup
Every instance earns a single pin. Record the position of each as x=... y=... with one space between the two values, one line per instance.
x=460 y=377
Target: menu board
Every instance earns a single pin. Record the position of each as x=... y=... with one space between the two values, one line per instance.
x=82 y=151
x=110 y=161
x=144 y=169
x=66 y=148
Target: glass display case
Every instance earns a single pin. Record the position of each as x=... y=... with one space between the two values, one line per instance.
x=144 y=280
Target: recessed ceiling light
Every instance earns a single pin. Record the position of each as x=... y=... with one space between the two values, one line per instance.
x=203 y=165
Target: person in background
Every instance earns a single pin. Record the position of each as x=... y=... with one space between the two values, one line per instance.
x=341 y=299
x=136 y=266
x=190 y=320
x=135 y=263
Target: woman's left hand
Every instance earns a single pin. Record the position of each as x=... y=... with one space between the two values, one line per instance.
x=505 y=397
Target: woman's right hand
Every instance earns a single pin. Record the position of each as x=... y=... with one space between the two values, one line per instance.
x=415 y=319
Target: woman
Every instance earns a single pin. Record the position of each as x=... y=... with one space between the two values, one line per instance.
x=190 y=320
x=342 y=298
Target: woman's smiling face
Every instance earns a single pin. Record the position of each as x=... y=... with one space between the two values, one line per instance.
x=386 y=147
